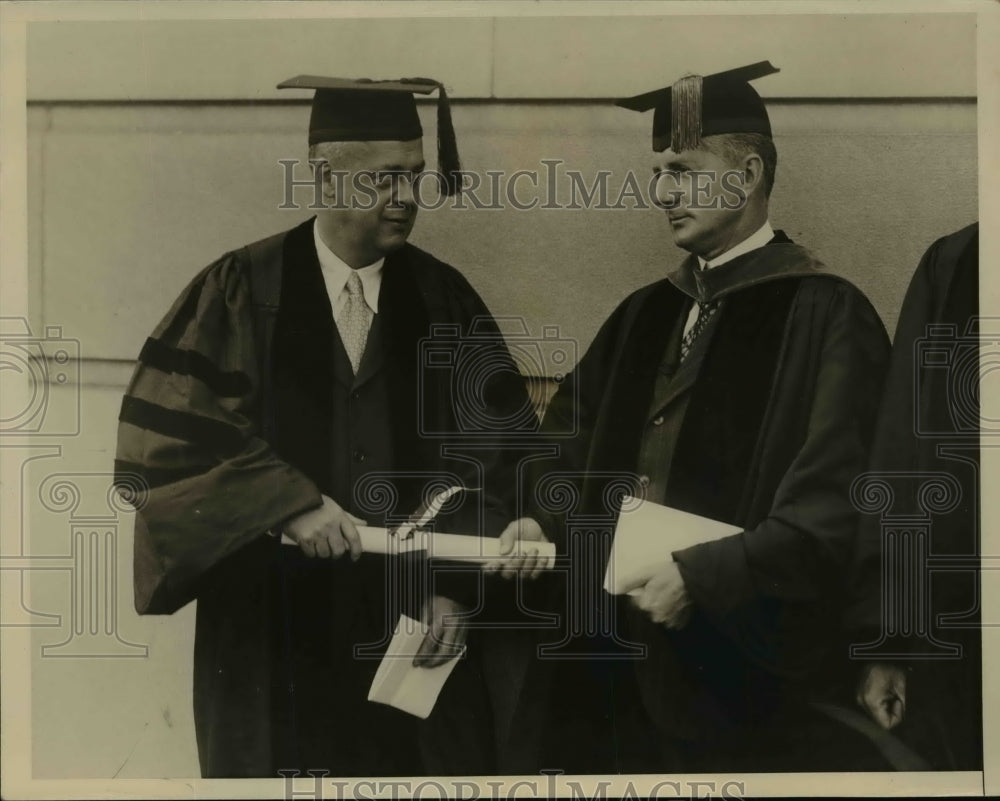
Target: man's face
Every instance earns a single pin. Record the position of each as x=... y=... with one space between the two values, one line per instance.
x=701 y=194
x=373 y=205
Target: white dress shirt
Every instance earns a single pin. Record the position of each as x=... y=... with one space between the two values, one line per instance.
x=758 y=239
x=336 y=272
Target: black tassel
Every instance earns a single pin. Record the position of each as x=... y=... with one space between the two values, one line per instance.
x=448 y=161
x=449 y=164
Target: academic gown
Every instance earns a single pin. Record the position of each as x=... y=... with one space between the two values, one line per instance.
x=928 y=427
x=768 y=423
x=239 y=415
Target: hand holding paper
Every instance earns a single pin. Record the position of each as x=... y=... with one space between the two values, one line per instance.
x=665 y=598
x=438 y=545
x=325 y=532
x=445 y=638
x=335 y=531
x=399 y=683
x=525 y=549
x=647 y=535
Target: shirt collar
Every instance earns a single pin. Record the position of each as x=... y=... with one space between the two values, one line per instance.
x=758 y=239
x=336 y=272
x=781 y=258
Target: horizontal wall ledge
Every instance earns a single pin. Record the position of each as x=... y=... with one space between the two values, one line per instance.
x=498 y=118
x=126 y=204
x=475 y=101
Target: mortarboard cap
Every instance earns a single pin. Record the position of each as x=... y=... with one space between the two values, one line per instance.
x=363 y=110
x=697 y=106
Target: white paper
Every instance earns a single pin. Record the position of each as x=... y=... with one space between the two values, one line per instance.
x=453 y=547
x=398 y=683
x=646 y=535
x=374 y=540
x=482 y=550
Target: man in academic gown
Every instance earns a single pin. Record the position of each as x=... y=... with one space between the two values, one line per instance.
x=743 y=388
x=282 y=399
x=917 y=668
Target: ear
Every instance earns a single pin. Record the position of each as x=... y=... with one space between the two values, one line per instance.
x=753 y=174
x=329 y=185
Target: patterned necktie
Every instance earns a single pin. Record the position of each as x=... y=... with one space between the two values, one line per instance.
x=354 y=321
x=705 y=312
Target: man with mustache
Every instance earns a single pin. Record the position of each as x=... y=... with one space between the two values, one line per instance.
x=282 y=401
x=742 y=387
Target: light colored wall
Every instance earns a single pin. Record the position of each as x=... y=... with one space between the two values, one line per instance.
x=133 y=200
x=821 y=55
x=144 y=167
x=153 y=148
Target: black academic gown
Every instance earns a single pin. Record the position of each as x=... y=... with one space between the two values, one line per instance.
x=241 y=412
x=776 y=422
x=928 y=431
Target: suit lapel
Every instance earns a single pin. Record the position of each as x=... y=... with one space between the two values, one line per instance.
x=675 y=380
x=374 y=356
x=343 y=373
x=678 y=386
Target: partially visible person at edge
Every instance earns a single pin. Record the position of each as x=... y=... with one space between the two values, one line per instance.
x=917 y=670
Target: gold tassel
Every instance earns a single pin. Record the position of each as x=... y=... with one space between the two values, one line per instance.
x=685 y=113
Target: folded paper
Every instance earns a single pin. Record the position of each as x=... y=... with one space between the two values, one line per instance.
x=398 y=683
x=646 y=536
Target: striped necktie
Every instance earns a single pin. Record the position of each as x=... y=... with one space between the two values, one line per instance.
x=354 y=321
x=705 y=313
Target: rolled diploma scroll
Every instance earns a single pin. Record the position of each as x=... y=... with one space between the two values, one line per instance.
x=438 y=545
